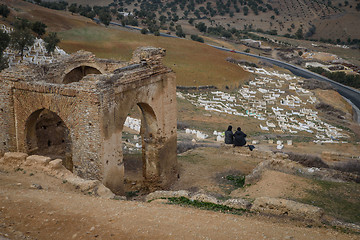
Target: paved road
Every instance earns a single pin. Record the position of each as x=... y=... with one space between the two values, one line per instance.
x=349 y=93
x=352 y=94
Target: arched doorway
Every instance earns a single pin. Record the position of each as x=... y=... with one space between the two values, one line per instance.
x=47 y=135
x=78 y=73
x=139 y=150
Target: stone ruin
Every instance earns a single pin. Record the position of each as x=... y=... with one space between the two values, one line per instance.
x=75 y=109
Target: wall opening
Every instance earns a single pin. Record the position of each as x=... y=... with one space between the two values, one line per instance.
x=78 y=73
x=47 y=135
x=139 y=146
x=132 y=152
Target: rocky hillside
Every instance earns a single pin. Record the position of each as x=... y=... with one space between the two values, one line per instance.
x=315 y=19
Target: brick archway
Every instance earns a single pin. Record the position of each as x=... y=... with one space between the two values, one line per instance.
x=47 y=134
x=76 y=74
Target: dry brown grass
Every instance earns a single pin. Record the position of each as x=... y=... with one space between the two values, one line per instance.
x=195 y=64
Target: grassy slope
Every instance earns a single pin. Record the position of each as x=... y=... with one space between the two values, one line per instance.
x=340 y=200
x=194 y=63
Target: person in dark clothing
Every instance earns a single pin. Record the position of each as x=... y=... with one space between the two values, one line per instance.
x=229 y=136
x=239 y=138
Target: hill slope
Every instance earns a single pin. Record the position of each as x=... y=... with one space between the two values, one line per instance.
x=194 y=63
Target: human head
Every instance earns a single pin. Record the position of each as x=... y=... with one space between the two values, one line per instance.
x=239 y=128
x=229 y=128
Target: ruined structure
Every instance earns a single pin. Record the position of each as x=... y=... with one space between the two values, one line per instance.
x=75 y=109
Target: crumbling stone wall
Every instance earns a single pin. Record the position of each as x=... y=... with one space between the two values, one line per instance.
x=93 y=103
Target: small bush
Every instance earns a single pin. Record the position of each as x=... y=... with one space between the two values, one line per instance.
x=183 y=201
x=182 y=126
x=307 y=160
x=185 y=146
x=328 y=109
x=197 y=38
x=144 y=31
x=312 y=84
x=237 y=181
x=352 y=166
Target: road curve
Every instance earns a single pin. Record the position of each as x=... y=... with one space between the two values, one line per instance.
x=349 y=93
x=352 y=94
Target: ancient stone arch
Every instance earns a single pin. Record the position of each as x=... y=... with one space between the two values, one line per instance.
x=78 y=73
x=47 y=134
x=93 y=107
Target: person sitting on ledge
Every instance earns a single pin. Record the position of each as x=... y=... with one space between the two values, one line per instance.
x=229 y=136
x=239 y=139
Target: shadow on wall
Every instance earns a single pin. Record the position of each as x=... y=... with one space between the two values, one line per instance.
x=47 y=135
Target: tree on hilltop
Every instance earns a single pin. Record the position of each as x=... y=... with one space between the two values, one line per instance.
x=4 y=10
x=51 y=41
x=105 y=17
x=39 y=28
x=21 y=37
x=4 y=42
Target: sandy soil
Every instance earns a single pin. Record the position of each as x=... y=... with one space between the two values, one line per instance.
x=58 y=211
x=275 y=184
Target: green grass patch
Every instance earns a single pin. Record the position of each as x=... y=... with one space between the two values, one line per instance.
x=131 y=194
x=236 y=180
x=340 y=200
x=183 y=201
x=191 y=158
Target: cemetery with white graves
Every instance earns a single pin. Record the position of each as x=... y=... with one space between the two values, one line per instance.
x=36 y=54
x=276 y=99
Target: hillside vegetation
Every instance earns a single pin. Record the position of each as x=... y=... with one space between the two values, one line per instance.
x=194 y=63
x=313 y=19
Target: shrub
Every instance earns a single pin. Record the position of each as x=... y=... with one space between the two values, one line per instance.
x=352 y=166
x=144 y=31
x=307 y=160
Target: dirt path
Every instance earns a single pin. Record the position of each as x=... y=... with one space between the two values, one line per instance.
x=58 y=211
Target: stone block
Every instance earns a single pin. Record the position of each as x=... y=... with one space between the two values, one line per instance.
x=284 y=207
x=238 y=203
x=56 y=164
x=14 y=157
x=167 y=194
x=204 y=198
x=104 y=192
x=39 y=160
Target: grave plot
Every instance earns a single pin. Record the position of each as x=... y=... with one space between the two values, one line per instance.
x=277 y=99
x=36 y=54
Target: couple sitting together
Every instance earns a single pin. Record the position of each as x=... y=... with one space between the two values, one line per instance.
x=237 y=138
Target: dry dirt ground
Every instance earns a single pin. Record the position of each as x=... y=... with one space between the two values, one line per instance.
x=58 y=211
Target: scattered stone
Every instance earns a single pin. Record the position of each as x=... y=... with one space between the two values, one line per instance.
x=286 y=207
x=36 y=159
x=104 y=192
x=118 y=197
x=14 y=158
x=83 y=185
x=36 y=186
x=204 y=198
x=167 y=194
x=238 y=203
x=56 y=164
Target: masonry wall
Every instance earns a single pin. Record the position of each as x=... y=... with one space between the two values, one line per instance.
x=7 y=123
x=80 y=113
x=158 y=95
x=94 y=111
